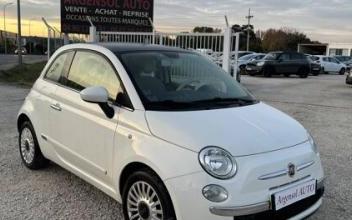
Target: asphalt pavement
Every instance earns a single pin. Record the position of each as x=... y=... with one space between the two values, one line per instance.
x=322 y=104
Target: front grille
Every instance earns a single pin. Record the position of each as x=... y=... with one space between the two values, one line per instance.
x=286 y=212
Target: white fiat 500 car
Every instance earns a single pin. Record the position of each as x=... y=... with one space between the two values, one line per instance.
x=168 y=134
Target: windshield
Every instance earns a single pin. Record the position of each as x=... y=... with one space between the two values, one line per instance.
x=182 y=81
x=271 y=56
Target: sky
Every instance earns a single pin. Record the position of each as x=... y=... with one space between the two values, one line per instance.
x=323 y=20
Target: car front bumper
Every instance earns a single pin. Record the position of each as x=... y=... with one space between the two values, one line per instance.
x=253 y=69
x=250 y=196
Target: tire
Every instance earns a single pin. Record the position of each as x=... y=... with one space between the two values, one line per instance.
x=303 y=72
x=30 y=152
x=287 y=75
x=135 y=202
x=342 y=71
x=268 y=71
x=315 y=74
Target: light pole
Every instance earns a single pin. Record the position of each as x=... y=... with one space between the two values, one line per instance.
x=249 y=17
x=6 y=5
x=19 y=38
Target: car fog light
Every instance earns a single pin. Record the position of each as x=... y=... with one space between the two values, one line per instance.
x=215 y=193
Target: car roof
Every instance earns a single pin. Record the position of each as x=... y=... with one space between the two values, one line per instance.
x=132 y=47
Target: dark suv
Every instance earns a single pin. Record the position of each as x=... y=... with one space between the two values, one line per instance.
x=277 y=63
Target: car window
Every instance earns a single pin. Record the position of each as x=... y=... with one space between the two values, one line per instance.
x=333 y=60
x=285 y=56
x=297 y=56
x=58 y=66
x=271 y=56
x=90 y=69
x=325 y=59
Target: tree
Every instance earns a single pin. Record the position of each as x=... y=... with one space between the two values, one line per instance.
x=283 y=39
x=206 y=30
x=254 y=41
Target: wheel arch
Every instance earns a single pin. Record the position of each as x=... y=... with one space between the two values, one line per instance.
x=21 y=119
x=131 y=168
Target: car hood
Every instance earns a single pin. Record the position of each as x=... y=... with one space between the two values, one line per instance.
x=242 y=131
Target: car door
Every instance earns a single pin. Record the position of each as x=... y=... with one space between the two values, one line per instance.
x=84 y=136
x=335 y=64
x=44 y=90
x=327 y=64
x=283 y=63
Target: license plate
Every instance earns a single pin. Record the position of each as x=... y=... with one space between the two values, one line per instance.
x=289 y=196
x=248 y=68
x=315 y=68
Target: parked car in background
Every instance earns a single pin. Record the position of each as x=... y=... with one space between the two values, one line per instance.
x=244 y=60
x=240 y=54
x=23 y=51
x=349 y=78
x=331 y=65
x=315 y=66
x=347 y=60
x=168 y=134
x=280 y=63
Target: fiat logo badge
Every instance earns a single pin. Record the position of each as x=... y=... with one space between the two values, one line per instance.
x=291 y=170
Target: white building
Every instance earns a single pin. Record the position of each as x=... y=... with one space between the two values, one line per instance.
x=344 y=49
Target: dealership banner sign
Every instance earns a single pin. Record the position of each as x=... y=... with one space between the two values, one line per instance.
x=106 y=15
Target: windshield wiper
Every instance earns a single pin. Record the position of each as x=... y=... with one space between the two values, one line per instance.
x=170 y=104
x=226 y=101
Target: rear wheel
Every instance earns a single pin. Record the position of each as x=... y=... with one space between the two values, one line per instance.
x=286 y=74
x=342 y=71
x=145 y=197
x=303 y=72
x=31 y=155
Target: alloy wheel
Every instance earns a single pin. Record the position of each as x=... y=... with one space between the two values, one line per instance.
x=27 y=145
x=143 y=203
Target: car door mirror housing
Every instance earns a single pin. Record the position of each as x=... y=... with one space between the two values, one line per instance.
x=100 y=96
x=95 y=94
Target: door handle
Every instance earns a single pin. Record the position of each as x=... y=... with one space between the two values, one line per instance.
x=56 y=107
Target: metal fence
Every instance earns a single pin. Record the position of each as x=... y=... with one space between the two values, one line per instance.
x=219 y=47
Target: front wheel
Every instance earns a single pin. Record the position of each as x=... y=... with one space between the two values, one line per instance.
x=145 y=197
x=342 y=71
x=31 y=155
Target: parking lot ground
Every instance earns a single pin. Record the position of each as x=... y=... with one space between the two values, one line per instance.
x=10 y=60
x=322 y=104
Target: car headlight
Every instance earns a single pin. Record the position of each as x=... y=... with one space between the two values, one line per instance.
x=312 y=143
x=218 y=163
x=260 y=63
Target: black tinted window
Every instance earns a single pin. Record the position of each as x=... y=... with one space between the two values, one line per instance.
x=297 y=56
x=90 y=69
x=60 y=64
x=285 y=56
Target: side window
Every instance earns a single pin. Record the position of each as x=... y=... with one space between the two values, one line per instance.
x=332 y=60
x=90 y=69
x=325 y=59
x=57 y=67
x=285 y=56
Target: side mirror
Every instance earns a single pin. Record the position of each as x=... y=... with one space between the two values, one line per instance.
x=95 y=94
x=280 y=60
x=98 y=95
